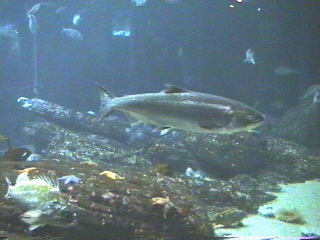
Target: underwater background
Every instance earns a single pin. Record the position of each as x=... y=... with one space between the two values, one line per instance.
x=119 y=180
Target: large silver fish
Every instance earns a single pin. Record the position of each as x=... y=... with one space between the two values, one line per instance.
x=177 y=108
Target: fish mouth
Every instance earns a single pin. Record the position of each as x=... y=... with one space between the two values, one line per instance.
x=256 y=124
x=260 y=119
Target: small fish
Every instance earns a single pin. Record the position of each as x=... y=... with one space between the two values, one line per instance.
x=285 y=71
x=9 y=31
x=165 y=203
x=33 y=24
x=24 y=101
x=72 y=34
x=78 y=17
x=91 y=113
x=139 y=2
x=17 y=154
x=316 y=98
x=312 y=93
x=42 y=199
x=177 y=108
x=36 y=7
x=250 y=57
x=266 y=211
x=61 y=10
x=229 y=217
x=194 y=174
x=89 y=163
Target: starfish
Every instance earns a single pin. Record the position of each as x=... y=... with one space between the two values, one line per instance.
x=70 y=179
x=111 y=175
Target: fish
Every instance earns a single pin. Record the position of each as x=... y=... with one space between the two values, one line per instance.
x=228 y=217
x=72 y=34
x=89 y=163
x=36 y=7
x=316 y=98
x=17 y=154
x=61 y=9
x=9 y=31
x=285 y=71
x=33 y=24
x=313 y=92
x=165 y=203
x=250 y=57
x=180 y=109
x=42 y=199
x=76 y=20
x=139 y=2
x=194 y=174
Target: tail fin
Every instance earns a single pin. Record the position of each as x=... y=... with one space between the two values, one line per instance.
x=105 y=98
x=9 y=185
x=34 y=218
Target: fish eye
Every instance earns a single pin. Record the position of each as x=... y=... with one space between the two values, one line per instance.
x=250 y=117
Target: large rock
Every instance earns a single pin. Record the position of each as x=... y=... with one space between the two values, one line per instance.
x=61 y=143
x=88 y=122
x=289 y=159
x=301 y=124
x=219 y=155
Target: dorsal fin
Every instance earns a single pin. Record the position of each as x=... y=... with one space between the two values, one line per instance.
x=41 y=179
x=169 y=88
x=104 y=91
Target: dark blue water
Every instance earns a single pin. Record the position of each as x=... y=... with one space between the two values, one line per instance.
x=213 y=36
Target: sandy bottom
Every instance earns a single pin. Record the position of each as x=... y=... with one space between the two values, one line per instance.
x=305 y=197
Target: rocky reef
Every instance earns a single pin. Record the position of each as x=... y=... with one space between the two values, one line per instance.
x=130 y=182
x=301 y=123
x=118 y=208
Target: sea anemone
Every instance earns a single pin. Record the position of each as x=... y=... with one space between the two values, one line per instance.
x=290 y=216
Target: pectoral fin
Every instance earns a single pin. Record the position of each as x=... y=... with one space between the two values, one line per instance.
x=164 y=130
x=34 y=226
